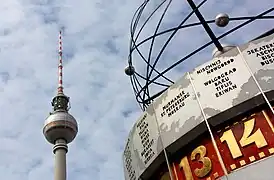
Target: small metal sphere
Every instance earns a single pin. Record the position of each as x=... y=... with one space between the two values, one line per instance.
x=222 y=20
x=130 y=70
x=216 y=52
x=60 y=125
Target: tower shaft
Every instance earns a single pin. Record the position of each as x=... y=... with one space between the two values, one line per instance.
x=60 y=150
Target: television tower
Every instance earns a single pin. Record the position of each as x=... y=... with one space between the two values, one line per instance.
x=60 y=127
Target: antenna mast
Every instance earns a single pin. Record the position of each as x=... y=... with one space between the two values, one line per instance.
x=60 y=101
x=60 y=66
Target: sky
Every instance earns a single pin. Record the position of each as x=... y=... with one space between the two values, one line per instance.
x=95 y=46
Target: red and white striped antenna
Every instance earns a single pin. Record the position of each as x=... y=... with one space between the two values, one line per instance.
x=60 y=101
x=60 y=66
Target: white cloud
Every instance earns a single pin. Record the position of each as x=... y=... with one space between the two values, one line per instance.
x=95 y=49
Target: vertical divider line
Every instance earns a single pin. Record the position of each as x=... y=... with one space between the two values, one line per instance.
x=160 y=136
x=175 y=172
x=209 y=129
x=254 y=78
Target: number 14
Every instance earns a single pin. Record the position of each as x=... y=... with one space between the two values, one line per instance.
x=247 y=138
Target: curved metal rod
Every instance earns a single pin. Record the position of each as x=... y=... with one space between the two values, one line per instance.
x=160 y=84
x=136 y=80
x=139 y=12
x=139 y=32
x=198 y=23
x=133 y=42
x=142 y=101
x=146 y=100
x=154 y=96
x=135 y=92
x=207 y=44
x=171 y=36
x=159 y=55
x=133 y=28
x=134 y=24
x=135 y=84
x=152 y=43
x=144 y=59
x=136 y=21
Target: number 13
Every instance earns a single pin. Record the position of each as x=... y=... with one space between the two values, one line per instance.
x=202 y=172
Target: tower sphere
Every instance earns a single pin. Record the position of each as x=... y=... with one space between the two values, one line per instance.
x=60 y=125
x=222 y=20
x=129 y=70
